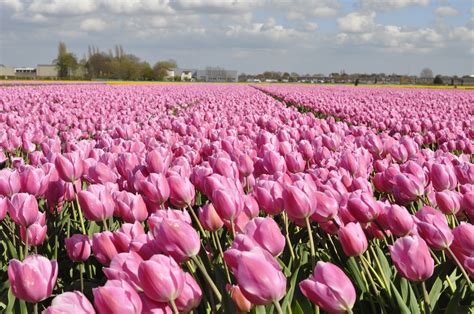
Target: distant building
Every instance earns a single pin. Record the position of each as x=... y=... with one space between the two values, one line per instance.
x=211 y=74
x=6 y=72
x=468 y=80
x=47 y=71
x=25 y=73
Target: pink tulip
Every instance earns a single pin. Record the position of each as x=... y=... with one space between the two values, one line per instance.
x=23 y=209
x=124 y=266
x=181 y=191
x=330 y=288
x=259 y=280
x=117 y=296
x=463 y=245
x=155 y=188
x=158 y=161
x=96 y=203
x=3 y=207
x=299 y=200
x=191 y=295
x=10 y=182
x=35 y=234
x=33 y=181
x=161 y=278
x=269 y=195
x=104 y=247
x=33 y=279
x=352 y=239
x=157 y=217
x=399 y=220
x=443 y=177
x=266 y=233
x=245 y=165
x=78 y=247
x=70 y=303
x=412 y=258
x=177 y=239
x=363 y=207
x=127 y=232
x=152 y=307
x=433 y=228
x=70 y=166
x=209 y=218
x=449 y=202
x=130 y=207
x=228 y=203
x=326 y=207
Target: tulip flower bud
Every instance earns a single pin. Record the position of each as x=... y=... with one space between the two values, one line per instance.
x=78 y=247
x=363 y=207
x=70 y=303
x=117 y=296
x=10 y=182
x=330 y=288
x=181 y=191
x=299 y=200
x=127 y=232
x=449 y=202
x=161 y=278
x=443 y=177
x=70 y=166
x=35 y=233
x=399 y=220
x=352 y=239
x=259 y=280
x=124 y=266
x=104 y=247
x=433 y=228
x=177 y=239
x=326 y=207
x=130 y=207
x=23 y=209
x=33 y=279
x=209 y=218
x=155 y=188
x=412 y=258
x=191 y=295
x=266 y=233
x=463 y=245
x=96 y=203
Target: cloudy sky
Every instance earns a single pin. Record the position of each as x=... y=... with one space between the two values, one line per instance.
x=305 y=36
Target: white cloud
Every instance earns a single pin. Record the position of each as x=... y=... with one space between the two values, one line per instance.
x=446 y=11
x=14 y=5
x=310 y=26
x=63 y=7
x=387 y=5
x=357 y=22
x=302 y=9
x=93 y=25
x=463 y=34
x=216 y=6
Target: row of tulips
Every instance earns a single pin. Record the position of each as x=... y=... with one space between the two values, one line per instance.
x=181 y=198
x=434 y=118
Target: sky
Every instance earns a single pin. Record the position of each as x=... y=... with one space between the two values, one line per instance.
x=303 y=36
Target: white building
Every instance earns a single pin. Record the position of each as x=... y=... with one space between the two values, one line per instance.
x=47 y=71
x=6 y=71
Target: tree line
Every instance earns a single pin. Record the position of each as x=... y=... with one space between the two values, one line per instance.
x=114 y=64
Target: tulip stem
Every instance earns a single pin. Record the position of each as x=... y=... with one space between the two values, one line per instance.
x=426 y=297
x=278 y=307
x=461 y=267
x=81 y=276
x=311 y=242
x=208 y=278
x=196 y=219
x=173 y=307
x=287 y=235
x=221 y=253
x=26 y=242
x=79 y=210
x=35 y=308
x=104 y=221
x=232 y=226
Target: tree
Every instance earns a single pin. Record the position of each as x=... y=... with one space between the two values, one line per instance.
x=426 y=73
x=66 y=62
x=161 y=69
x=438 y=80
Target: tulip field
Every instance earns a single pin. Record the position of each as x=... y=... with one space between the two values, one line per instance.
x=229 y=198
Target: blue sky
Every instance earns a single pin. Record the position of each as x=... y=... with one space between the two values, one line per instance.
x=304 y=36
